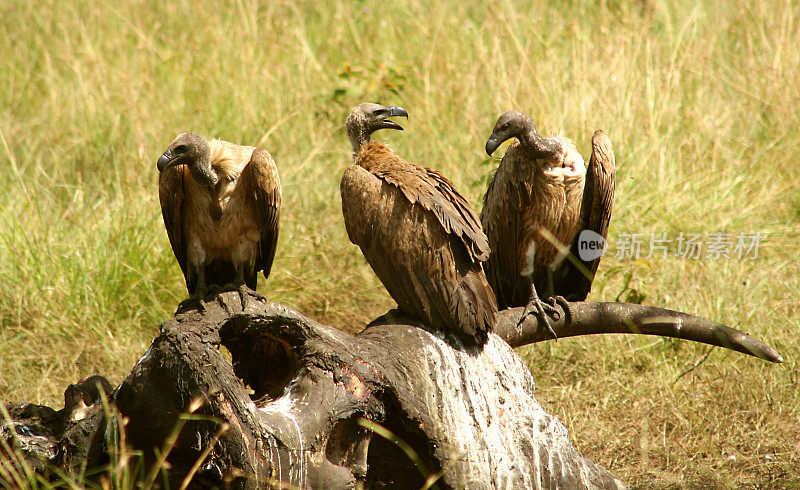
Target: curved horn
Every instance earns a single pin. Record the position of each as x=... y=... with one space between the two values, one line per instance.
x=595 y=318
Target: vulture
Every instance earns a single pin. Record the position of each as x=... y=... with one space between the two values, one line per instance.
x=220 y=202
x=541 y=199
x=419 y=235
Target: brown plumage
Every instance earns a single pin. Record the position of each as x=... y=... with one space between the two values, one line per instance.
x=220 y=202
x=419 y=235
x=541 y=195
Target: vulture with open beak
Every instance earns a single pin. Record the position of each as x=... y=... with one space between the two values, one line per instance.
x=419 y=235
x=220 y=202
x=539 y=202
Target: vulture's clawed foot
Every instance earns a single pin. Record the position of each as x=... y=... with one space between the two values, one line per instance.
x=564 y=304
x=545 y=313
x=246 y=294
x=193 y=302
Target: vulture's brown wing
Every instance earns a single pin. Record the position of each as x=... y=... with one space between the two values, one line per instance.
x=476 y=241
x=171 y=196
x=434 y=192
x=264 y=188
x=427 y=270
x=575 y=280
x=502 y=218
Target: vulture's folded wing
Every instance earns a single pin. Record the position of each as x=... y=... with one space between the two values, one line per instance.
x=598 y=200
x=171 y=196
x=261 y=174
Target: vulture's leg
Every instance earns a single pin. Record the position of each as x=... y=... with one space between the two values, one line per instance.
x=542 y=310
x=239 y=283
x=200 y=285
x=241 y=286
x=550 y=286
x=536 y=306
x=553 y=298
x=195 y=299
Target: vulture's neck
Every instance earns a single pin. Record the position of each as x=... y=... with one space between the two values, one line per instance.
x=202 y=171
x=538 y=147
x=358 y=138
x=528 y=140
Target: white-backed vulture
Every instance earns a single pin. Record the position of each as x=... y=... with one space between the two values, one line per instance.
x=220 y=202
x=543 y=195
x=419 y=235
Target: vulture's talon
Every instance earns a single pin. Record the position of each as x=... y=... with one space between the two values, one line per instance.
x=245 y=294
x=550 y=328
x=540 y=310
x=564 y=304
x=193 y=302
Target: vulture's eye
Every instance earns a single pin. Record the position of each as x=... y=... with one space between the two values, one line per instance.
x=382 y=113
x=180 y=149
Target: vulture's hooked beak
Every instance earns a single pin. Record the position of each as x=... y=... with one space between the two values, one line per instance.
x=393 y=111
x=492 y=143
x=165 y=160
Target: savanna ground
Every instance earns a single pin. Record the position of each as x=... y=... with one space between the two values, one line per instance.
x=700 y=100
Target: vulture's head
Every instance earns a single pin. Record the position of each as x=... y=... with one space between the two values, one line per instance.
x=515 y=124
x=367 y=118
x=188 y=148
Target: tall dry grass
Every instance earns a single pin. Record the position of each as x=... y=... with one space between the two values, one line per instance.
x=700 y=100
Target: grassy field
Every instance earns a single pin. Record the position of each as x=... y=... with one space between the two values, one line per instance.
x=700 y=101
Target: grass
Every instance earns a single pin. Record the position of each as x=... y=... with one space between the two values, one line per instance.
x=700 y=101
x=126 y=468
